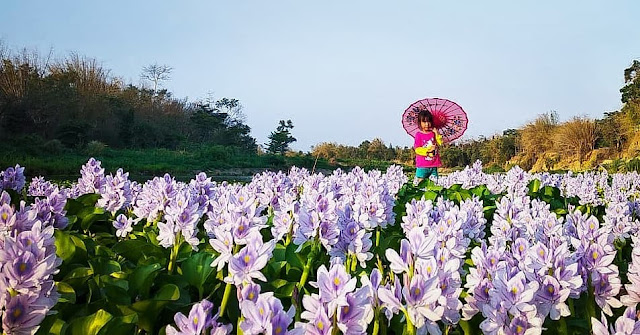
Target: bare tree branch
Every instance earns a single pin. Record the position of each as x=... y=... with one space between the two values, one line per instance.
x=156 y=73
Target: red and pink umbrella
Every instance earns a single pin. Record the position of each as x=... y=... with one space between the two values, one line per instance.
x=448 y=117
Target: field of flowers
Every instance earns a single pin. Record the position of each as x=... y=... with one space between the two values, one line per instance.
x=351 y=252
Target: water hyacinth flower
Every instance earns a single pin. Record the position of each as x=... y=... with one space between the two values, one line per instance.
x=419 y=295
x=333 y=286
x=632 y=297
x=154 y=196
x=265 y=314
x=353 y=241
x=606 y=288
x=354 y=317
x=183 y=214
x=39 y=187
x=22 y=315
x=201 y=320
x=28 y=262
x=316 y=315
x=116 y=192
x=123 y=225
x=317 y=217
x=626 y=324
x=222 y=243
x=247 y=263
x=551 y=298
x=12 y=178
x=91 y=178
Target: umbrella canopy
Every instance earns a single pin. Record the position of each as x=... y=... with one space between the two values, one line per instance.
x=448 y=117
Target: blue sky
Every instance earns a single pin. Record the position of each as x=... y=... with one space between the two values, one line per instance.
x=344 y=71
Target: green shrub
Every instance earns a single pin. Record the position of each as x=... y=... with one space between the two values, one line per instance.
x=95 y=148
x=54 y=147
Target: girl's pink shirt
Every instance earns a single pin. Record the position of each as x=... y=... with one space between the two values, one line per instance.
x=432 y=159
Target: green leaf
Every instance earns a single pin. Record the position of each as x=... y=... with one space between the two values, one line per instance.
x=430 y=195
x=293 y=258
x=277 y=265
x=148 y=310
x=285 y=291
x=168 y=292
x=90 y=325
x=480 y=191
x=80 y=272
x=109 y=280
x=121 y=325
x=52 y=325
x=534 y=186
x=67 y=293
x=456 y=187
x=464 y=195
x=135 y=250
x=104 y=266
x=116 y=295
x=89 y=200
x=65 y=248
x=197 y=269
x=277 y=283
x=279 y=253
x=141 y=279
x=81 y=248
x=89 y=215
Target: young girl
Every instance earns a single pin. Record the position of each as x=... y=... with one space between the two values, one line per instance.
x=426 y=143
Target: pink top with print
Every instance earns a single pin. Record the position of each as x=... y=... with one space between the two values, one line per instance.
x=433 y=158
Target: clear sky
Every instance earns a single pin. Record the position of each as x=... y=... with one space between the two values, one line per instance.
x=344 y=71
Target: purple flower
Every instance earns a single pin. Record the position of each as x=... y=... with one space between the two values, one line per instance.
x=115 y=192
x=167 y=234
x=551 y=297
x=247 y=263
x=420 y=295
x=123 y=225
x=513 y=292
x=200 y=319
x=265 y=314
x=626 y=324
x=222 y=243
x=12 y=178
x=606 y=288
x=22 y=315
x=633 y=288
x=334 y=286
x=356 y=315
x=91 y=177
x=318 y=321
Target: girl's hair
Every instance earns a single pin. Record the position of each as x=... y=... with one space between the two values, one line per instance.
x=426 y=116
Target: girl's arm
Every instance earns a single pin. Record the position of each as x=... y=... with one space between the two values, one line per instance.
x=438 y=136
x=417 y=147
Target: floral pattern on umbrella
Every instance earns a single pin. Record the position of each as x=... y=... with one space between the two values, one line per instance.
x=448 y=117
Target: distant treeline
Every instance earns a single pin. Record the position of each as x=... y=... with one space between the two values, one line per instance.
x=74 y=101
x=75 y=104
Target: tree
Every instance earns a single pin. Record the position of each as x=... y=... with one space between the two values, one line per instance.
x=631 y=91
x=376 y=149
x=232 y=108
x=156 y=73
x=577 y=136
x=614 y=130
x=535 y=136
x=280 y=139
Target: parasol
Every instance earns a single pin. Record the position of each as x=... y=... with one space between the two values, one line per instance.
x=448 y=117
